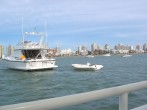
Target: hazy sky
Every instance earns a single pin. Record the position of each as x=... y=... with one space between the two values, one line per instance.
x=75 y=22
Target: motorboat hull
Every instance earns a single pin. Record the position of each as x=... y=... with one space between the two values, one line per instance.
x=87 y=67
x=90 y=56
x=107 y=55
x=28 y=65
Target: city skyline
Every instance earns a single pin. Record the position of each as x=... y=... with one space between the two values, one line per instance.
x=74 y=23
x=83 y=50
x=94 y=46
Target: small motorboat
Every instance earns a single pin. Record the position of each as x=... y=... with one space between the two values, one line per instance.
x=107 y=55
x=89 y=56
x=126 y=55
x=87 y=66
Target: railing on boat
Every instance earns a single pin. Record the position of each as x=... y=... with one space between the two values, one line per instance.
x=59 y=102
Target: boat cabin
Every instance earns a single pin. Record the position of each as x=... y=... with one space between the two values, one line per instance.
x=31 y=54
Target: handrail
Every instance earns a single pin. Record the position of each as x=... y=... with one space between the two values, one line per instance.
x=55 y=103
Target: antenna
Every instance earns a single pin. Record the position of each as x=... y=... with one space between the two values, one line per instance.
x=22 y=31
x=45 y=32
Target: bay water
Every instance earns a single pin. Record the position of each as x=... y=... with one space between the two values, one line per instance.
x=20 y=86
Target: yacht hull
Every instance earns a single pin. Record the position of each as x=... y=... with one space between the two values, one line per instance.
x=29 y=65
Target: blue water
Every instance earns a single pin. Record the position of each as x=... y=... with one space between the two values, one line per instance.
x=19 y=86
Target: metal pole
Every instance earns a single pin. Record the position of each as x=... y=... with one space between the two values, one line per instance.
x=22 y=31
x=123 y=101
x=45 y=32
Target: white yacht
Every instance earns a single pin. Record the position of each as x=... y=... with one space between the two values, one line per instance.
x=29 y=55
x=87 y=66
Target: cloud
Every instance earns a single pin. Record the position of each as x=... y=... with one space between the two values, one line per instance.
x=76 y=11
x=132 y=35
x=68 y=17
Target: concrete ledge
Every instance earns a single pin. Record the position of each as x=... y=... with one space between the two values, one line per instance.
x=143 y=107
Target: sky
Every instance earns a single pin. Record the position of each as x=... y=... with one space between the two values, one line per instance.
x=70 y=23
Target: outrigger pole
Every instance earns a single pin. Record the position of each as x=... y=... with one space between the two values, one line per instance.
x=22 y=31
x=45 y=32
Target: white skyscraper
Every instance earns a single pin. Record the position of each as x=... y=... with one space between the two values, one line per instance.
x=10 y=50
x=1 y=51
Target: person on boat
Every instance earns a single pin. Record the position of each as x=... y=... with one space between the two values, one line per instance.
x=22 y=57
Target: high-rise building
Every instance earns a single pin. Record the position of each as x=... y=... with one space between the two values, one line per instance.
x=145 y=47
x=119 y=47
x=79 y=48
x=82 y=50
x=10 y=50
x=123 y=47
x=94 y=47
x=1 y=51
x=131 y=48
x=138 y=47
x=57 y=49
x=99 y=47
x=107 y=47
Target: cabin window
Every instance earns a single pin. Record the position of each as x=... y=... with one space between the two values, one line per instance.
x=31 y=53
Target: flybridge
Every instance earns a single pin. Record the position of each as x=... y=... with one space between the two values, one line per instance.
x=41 y=34
x=35 y=33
